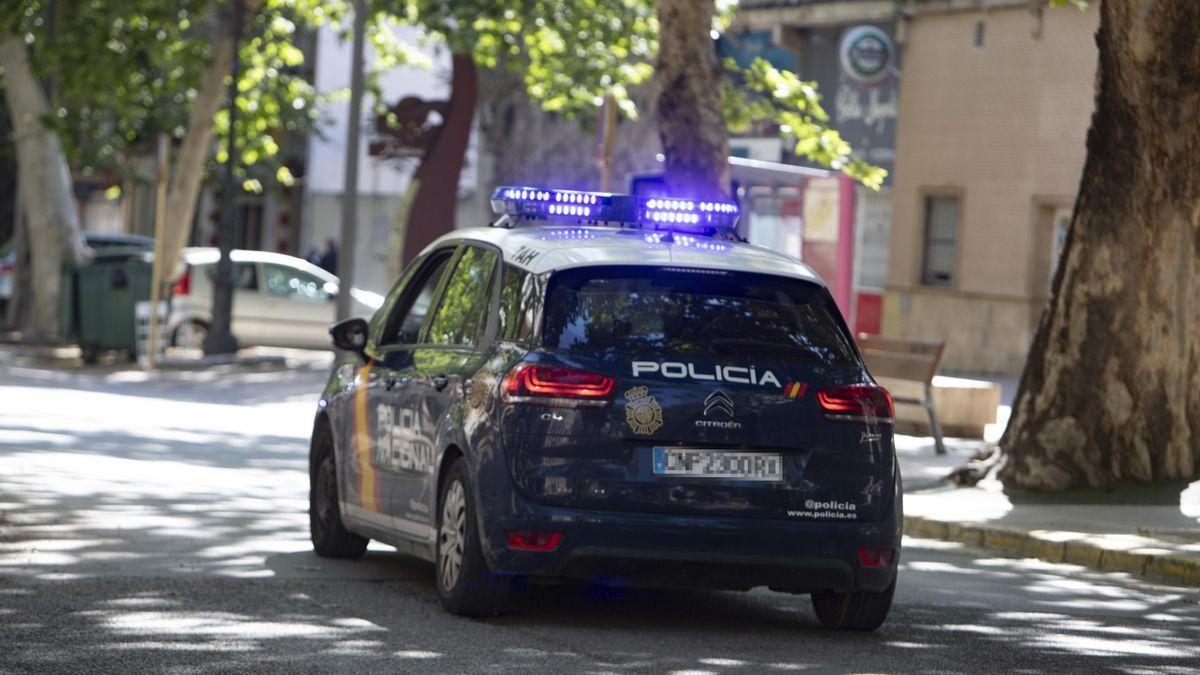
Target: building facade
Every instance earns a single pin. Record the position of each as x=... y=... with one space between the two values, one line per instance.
x=996 y=98
x=848 y=48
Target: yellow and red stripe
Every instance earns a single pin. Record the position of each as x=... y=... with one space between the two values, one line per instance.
x=795 y=389
x=364 y=441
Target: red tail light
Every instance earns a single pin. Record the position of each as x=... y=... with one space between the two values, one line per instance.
x=532 y=540
x=875 y=557
x=556 y=386
x=184 y=285
x=857 y=403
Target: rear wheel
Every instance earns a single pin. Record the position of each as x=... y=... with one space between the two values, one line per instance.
x=860 y=610
x=190 y=335
x=330 y=537
x=466 y=585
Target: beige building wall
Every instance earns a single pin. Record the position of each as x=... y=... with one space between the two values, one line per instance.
x=1002 y=126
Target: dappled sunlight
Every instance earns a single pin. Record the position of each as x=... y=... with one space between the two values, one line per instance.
x=170 y=529
x=970 y=504
x=1189 y=501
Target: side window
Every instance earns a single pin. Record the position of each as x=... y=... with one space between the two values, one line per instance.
x=518 y=297
x=284 y=281
x=459 y=318
x=404 y=325
x=245 y=275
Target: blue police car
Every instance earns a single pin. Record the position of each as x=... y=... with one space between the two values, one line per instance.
x=608 y=387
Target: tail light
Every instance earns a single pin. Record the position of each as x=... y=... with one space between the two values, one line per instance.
x=875 y=557
x=857 y=403
x=6 y=267
x=556 y=386
x=532 y=540
x=184 y=285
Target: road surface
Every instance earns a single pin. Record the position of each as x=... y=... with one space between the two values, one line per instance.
x=157 y=522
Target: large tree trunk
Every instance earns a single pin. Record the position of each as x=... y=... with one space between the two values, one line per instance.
x=690 y=123
x=46 y=192
x=184 y=188
x=1111 y=390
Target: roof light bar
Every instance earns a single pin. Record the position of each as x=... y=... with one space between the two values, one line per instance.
x=659 y=213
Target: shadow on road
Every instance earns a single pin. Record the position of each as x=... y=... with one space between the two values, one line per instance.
x=155 y=538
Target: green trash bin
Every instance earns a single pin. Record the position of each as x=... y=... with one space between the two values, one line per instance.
x=106 y=292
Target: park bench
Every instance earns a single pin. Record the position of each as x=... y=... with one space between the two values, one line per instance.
x=911 y=360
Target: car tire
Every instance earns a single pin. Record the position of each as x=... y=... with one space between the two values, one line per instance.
x=330 y=538
x=190 y=334
x=465 y=583
x=858 y=610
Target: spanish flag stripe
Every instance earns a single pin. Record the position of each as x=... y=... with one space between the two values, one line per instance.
x=368 y=488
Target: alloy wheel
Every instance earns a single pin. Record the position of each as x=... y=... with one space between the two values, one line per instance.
x=190 y=335
x=452 y=536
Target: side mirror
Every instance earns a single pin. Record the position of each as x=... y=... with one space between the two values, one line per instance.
x=350 y=335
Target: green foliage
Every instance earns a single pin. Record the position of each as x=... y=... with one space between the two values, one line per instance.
x=569 y=52
x=119 y=72
x=124 y=71
x=763 y=93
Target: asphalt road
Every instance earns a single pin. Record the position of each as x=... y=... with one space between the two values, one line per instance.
x=157 y=523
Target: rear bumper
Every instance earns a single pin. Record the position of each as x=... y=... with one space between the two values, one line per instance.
x=667 y=550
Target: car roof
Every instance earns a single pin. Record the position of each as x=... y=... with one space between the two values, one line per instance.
x=209 y=255
x=105 y=239
x=542 y=248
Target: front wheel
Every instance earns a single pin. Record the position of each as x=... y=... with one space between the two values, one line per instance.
x=860 y=610
x=466 y=585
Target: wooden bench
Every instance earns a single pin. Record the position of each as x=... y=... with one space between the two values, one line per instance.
x=910 y=360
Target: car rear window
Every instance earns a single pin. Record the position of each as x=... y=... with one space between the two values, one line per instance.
x=679 y=311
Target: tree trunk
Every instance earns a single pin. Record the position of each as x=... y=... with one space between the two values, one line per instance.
x=690 y=123
x=1111 y=390
x=184 y=189
x=46 y=191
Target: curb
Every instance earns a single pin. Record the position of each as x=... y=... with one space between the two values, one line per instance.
x=204 y=362
x=1061 y=547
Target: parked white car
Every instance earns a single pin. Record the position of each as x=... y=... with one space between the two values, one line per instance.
x=279 y=300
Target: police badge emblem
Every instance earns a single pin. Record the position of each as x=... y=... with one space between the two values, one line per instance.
x=642 y=411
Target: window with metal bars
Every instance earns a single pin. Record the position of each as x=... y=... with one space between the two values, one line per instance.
x=941 y=240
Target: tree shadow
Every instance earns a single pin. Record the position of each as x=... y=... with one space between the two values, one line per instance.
x=182 y=544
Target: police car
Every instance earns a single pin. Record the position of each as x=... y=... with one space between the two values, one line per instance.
x=611 y=388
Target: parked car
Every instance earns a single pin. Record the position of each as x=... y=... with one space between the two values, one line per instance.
x=96 y=240
x=279 y=300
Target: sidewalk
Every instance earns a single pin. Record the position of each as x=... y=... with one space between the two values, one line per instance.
x=1151 y=531
x=68 y=357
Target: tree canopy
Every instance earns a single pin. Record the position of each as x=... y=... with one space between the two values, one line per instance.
x=124 y=71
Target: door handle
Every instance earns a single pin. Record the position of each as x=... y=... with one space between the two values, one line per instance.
x=440 y=382
x=392 y=381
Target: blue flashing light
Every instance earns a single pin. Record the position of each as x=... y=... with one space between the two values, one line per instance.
x=568 y=234
x=599 y=208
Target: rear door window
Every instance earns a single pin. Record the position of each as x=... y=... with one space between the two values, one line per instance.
x=621 y=310
x=245 y=275
x=463 y=305
x=288 y=281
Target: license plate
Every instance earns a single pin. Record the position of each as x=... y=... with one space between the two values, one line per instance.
x=718 y=464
